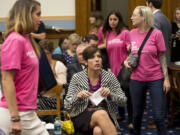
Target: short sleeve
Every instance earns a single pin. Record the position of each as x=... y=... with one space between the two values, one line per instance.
x=127 y=38
x=11 y=54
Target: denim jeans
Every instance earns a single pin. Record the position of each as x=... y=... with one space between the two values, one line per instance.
x=138 y=94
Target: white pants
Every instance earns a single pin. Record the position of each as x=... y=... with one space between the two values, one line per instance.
x=31 y=124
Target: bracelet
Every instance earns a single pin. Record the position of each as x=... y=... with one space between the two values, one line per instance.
x=15 y=119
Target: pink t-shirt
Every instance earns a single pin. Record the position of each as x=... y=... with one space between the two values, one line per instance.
x=149 y=67
x=17 y=53
x=117 y=49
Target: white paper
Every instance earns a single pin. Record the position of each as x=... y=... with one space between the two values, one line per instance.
x=96 y=98
x=49 y=126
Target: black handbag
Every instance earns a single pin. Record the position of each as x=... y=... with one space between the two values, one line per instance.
x=124 y=77
x=124 y=74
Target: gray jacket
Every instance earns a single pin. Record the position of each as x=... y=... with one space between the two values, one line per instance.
x=162 y=23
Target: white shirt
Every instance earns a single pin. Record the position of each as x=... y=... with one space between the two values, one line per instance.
x=156 y=11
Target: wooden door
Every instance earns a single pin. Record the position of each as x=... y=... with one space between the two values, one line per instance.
x=83 y=9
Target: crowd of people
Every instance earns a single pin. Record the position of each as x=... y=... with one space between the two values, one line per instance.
x=88 y=65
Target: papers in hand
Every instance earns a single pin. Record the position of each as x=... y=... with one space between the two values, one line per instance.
x=96 y=98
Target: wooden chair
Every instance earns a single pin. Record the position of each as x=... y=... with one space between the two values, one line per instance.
x=175 y=91
x=57 y=91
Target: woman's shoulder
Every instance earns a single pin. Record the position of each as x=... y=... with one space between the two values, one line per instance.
x=156 y=31
x=124 y=32
x=107 y=73
x=81 y=74
x=16 y=36
x=60 y=64
x=135 y=30
x=15 y=39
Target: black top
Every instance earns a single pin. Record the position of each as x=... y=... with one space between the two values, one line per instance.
x=41 y=29
x=175 y=51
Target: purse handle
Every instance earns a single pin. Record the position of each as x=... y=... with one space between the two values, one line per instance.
x=144 y=41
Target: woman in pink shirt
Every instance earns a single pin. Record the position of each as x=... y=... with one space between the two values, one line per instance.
x=117 y=43
x=20 y=71
x=151 y=72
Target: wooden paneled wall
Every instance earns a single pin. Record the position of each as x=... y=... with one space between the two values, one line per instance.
x=83 y=9
x=167 y=8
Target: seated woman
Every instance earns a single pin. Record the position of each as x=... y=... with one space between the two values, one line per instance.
x=88 y=118
x=58 y=68
x=62 y=46
x=70 y=54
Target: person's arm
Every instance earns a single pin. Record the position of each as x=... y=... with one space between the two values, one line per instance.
x=75 y=95
x=162 y=59
x=102 y=46
x=10 y=95
x=116 y=93
x=39 y=36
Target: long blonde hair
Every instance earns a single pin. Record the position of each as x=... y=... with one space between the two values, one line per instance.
x=20 y=20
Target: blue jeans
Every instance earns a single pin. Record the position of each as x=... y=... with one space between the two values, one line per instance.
x=138 y=94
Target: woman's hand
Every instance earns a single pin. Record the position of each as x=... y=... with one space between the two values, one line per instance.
x=166 y=86
x=126 y=64
x=105 y=92
x=178 y=35
x=84 y=94
x=16 y=128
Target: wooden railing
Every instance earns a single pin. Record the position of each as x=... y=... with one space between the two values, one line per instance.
x=52 y=34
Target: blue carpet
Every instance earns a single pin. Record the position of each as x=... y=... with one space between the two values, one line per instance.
x=147 y=118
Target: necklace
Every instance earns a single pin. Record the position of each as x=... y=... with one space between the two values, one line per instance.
x=98 y=85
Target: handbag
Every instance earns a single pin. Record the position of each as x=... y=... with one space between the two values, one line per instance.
x=67 y=125
x=124 y=77
x=134 y=58
x=125 y=73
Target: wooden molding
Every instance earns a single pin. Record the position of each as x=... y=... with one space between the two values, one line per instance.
x=58 y=17
x=50 y=18
x=52 y=34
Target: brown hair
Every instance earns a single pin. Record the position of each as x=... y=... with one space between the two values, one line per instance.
x=47 y=45
x=89 y=52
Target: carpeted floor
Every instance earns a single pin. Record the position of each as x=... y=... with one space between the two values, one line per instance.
x=147 y=118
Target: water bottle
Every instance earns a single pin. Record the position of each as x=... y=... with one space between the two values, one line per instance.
x=57 y=127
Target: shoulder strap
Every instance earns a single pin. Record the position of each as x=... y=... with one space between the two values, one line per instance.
x=144 y=41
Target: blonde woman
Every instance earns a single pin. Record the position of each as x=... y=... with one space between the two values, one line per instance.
x=151 y=72
x=20 y=70
x=70 y=54
x=86 y=116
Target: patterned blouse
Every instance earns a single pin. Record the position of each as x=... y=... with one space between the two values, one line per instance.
x=69 y=59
